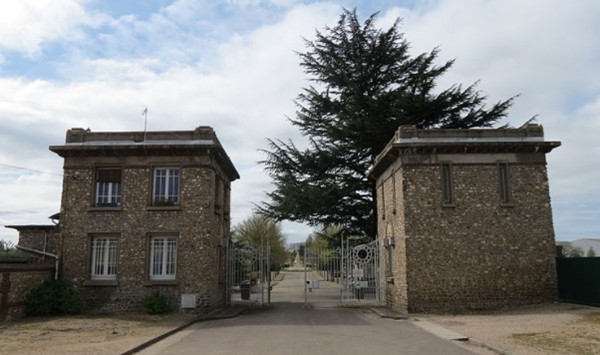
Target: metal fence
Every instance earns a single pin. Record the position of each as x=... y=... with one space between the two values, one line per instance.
x=361 y=265
x=579 y=280
x=345 y=275
x=322 y=276
x=341 y=276
x=248 y=276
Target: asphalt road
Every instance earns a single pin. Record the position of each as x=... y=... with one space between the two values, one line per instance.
x=289 y=329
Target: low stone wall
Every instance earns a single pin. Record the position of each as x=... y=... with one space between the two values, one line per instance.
x=16 y=280
x=43 y=238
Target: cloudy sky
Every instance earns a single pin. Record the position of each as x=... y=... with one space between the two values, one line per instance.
x=230 y=64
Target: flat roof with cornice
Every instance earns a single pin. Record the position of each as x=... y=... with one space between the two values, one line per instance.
x=411 y=140
x=203 y=140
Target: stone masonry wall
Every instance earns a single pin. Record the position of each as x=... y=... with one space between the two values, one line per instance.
x=47 y=239
x=478 y=254
x=16 y=280
x=390 y=211
x=200 y=232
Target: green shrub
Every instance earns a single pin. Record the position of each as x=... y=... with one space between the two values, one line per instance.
x=53 y=297
x=155 y=303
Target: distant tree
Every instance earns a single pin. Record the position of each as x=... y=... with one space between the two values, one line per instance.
x=367 y=84
x=591 y=253
x=7 y=246
x=328 y=236
x=322 y=244
x=570 y=251
x=257 y=231
x=313 y=242
x=293 y=247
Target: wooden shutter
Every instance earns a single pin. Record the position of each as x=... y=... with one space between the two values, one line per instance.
x=109 y=175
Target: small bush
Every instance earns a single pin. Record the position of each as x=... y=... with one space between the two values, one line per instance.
x=155 y=303
x=53 y=297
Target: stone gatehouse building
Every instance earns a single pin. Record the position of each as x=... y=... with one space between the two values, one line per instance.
x=142 y=212
x=464 y=219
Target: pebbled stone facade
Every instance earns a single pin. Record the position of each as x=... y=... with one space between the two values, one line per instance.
x=199 y=221
x=44 y=238
x=482 y=250
x=16 y=280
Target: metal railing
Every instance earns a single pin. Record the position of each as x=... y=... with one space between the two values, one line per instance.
x=346 y=275
x=248 y=275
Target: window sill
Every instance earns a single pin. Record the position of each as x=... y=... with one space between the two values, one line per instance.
x=449 y=205
x=100 y=283
x=160 y=283
x=163 y=208
x=105 y=209
x=508 y=205
x=390 y=280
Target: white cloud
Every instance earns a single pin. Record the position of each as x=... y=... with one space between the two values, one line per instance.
x=26 y=24
x=245 y=99
x=543 y=50
x=191 y=68
x=535 y=47
x=27 y=199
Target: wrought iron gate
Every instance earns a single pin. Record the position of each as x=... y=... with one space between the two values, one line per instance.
x=345 y=275
x=248 y=280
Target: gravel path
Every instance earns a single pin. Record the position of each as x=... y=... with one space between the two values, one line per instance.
x=547 y=329
x=84 y=334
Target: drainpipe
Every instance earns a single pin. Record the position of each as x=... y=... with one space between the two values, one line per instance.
x=56 y=257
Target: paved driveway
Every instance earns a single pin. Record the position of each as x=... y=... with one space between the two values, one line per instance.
x=288 y=329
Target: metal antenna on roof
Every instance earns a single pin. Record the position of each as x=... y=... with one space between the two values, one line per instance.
x=531 y=120
x=145 y=114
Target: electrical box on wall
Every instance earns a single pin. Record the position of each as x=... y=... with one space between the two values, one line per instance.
x=188 y=300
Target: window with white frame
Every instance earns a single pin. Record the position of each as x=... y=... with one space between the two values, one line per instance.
x=104 y=258
x=166 y=186
x=108 y=187
x=163 y=258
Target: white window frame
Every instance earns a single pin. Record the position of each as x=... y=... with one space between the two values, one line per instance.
x=163 y=258
x=103 y=264
x=114 y=190
x=112 y=197
x=169 y=175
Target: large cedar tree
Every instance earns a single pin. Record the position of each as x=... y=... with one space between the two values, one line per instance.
x=366 y=85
